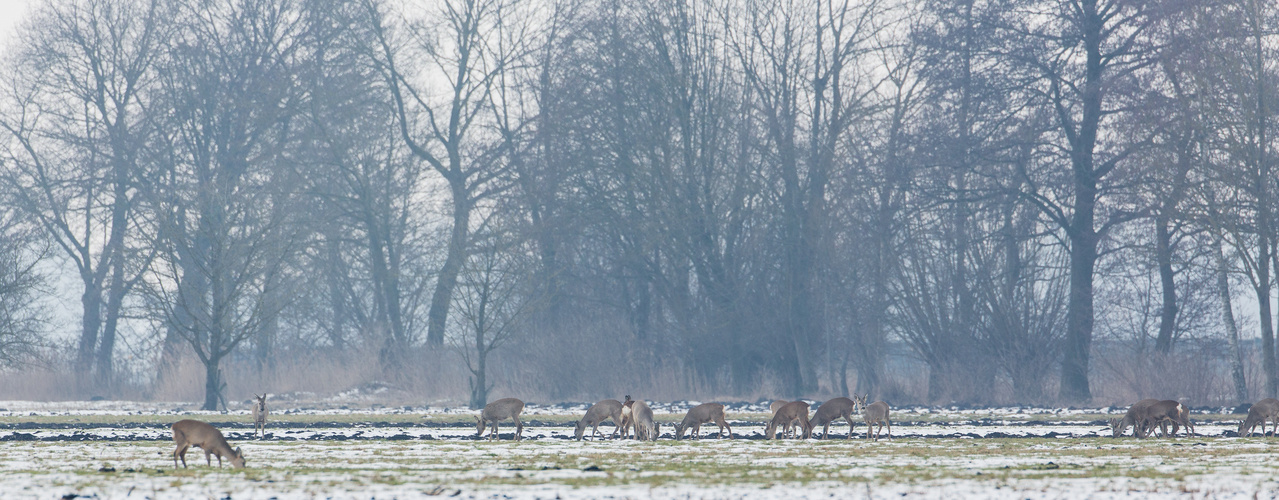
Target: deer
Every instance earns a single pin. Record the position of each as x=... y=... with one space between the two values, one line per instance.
x=597 y=413
x=1168 y=410
x=788 y=427
x=794 y=410
x=1266 y=409
x=831 y=411
x=702 y=414
x=188 y=433
x=259 y=415
x=1135 y=417
x=498 y=411
x=874 y=413
x=626 y=416
x=642 y=418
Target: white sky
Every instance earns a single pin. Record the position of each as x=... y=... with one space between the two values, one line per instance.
x=11 y=14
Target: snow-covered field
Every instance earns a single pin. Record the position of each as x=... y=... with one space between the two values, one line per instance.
x=123 y=450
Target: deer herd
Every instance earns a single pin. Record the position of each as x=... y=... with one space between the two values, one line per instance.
x=790 y=417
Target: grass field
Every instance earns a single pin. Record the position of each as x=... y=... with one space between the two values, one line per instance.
x=1013 y=468
x=415 y=453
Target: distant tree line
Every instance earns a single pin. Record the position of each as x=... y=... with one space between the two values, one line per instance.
x=1017 y=192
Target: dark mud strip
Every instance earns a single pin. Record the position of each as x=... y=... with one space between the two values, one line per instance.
x=359 y=436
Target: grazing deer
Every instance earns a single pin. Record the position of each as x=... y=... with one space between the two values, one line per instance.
x=1266 y=409
x=794 y=410
x=597 y=413
x=831 y=411
x=788 y=427
x=1167 y=411
x=498 y=411
x=627 y=424
x=188 y=433
x=642 y=418
x=1135 y=417
x=259 y=415
x=702 y=414
x=874 y=413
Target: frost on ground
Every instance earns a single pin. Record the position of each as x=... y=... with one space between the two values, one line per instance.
x=52 y=452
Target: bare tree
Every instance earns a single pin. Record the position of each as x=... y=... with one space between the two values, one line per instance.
x=1231 y=78
x=22 y=318
x=371 y=249
x=80 y=127
x=223 y=191
x=492 y=302
x=464 y=46
x=804 y=63
x=1090 y=55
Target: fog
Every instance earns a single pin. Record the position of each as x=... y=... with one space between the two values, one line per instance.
x=1005 y=202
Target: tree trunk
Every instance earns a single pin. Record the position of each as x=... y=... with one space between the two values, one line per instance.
x=935 y=384
x=1232 y=328
x=1265 y=226
x=1079 y=314
x=212 y=384
x=106 y=349
x=90 y=324
x=479 y=381
x=1168 y=286
x=1267 y=331
x=442 y=298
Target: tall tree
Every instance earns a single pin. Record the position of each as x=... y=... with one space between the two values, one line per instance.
x=462 y=46
x=80 y=124
x=1090 y=55
x=224 y=189
x=801 y=62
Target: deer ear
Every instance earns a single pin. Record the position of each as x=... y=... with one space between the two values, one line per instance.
x=238 y=453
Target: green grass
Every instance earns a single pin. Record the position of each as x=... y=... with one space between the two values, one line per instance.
x=414 y=465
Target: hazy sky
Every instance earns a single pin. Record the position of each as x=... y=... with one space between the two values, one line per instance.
x=11 y=13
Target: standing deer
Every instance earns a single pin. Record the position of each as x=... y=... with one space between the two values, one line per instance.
x=642 y=418
x=599 y=412
x=874 y=413
x=1168 y=411
x=794 y=410
x=831 y=411
x=1266 y=409
x=701 y=414
x=259 y=415
x=1135 y=417
x=498 y=411
x=188 y=433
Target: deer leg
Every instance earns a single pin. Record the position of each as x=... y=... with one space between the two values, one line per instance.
x=519 y=428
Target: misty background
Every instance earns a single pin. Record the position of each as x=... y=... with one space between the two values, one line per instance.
x=980 y=202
